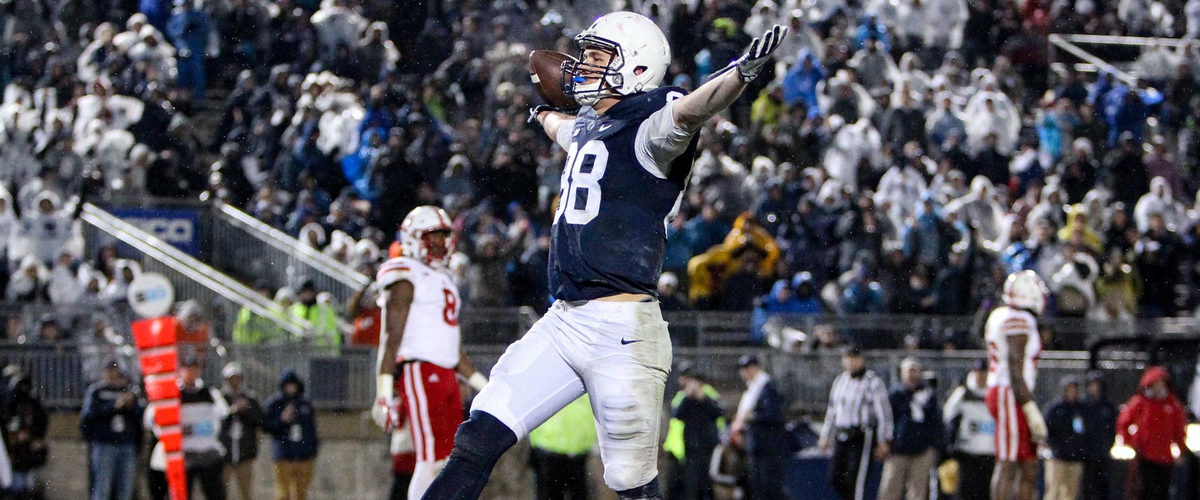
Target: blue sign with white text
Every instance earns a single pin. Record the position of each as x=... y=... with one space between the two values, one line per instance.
x=179 y=227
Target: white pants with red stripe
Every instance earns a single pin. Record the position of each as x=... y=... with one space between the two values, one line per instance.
x=433 y=406
x=1014 y=443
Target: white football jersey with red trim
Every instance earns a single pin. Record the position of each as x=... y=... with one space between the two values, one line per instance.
x=431 y=333
x=1001 y=324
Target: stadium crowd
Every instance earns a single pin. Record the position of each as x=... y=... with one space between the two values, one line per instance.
x=900 y=159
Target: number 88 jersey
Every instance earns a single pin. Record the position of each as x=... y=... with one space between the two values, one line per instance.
x=431 y=333
x=622 y=184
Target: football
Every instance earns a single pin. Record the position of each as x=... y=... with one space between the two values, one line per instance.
x=545 y=70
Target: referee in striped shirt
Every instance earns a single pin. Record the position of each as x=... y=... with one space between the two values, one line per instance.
x=859 y=419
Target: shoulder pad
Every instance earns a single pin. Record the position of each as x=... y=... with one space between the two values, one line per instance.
x=640 y=106
x=395 y=270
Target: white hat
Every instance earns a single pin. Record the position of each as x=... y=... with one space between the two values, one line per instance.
x=231 y=369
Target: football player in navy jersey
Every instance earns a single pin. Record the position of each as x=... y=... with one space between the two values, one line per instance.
x=629 y=155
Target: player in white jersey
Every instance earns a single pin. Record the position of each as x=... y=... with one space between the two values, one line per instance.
x=420 y=339
x=1014 y=345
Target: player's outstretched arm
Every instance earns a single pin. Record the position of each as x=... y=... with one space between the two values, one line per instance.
x=551 y=119
x=692 y=110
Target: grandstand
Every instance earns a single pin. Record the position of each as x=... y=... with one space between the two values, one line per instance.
x=874 y=187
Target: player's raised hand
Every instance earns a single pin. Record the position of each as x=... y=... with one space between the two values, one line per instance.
x=752 y=62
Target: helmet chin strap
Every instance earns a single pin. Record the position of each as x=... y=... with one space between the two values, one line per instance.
x=590 y=94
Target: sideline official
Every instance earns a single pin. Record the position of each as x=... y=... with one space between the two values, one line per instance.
x=858 y=420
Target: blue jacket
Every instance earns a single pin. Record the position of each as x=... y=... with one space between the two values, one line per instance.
x=295 y=440
x=766 y=434
x=102 y=422
x=1099 y=424
x=801 y=85
x=189 y=29
x=918 y=420
x=770 y=305
x=1067 y=425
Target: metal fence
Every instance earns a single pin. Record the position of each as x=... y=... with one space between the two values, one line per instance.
x=247 y=247
x=220 y=298
x=711 y=329
x=342 y=379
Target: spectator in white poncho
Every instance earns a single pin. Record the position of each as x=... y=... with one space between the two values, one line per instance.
x=132 y=35
x=912 y=21
x=337 y=25
x=43 y=231
x=64 y=287
x=991 y=117
x=28 y=284
x=873 y=65
x=766 y=15
x=901 y=188
x=1159 y=200
x=946 y=20
x=1192 y=10
x=154 y=52
x=114 y=112
x=96 y=55
x=979 y=208
x=851 y=143
x=1050 y=208
x=126 y=271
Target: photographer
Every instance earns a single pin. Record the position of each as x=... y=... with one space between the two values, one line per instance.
x=112 y=425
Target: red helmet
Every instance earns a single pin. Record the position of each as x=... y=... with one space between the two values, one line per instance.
x=415 y=235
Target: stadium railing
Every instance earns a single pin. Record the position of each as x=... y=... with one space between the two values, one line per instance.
x=244 y=245
x=340 y=379
x=219 y=297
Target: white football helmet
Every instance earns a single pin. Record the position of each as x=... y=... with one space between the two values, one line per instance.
x=1025 y=290
x=414 y=232
x=640 y=56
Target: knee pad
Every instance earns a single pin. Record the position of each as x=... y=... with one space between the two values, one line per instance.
x=482 y=439
x=622 y=420
x=648 y=491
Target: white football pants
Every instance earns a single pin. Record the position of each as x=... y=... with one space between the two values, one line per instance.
x=618 y=352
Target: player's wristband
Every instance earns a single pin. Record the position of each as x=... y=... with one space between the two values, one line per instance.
x=385 y=386
x=538 y=110
x=477 y=381
x=1033 y=416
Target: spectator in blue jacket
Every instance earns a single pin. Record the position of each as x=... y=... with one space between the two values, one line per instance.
x=1100 y=431
x=759 y=425
x=291 y=422
x=111 y=422
x=1065 y=421
x=707 y=230
x=800 y=83
x=869 y=27
x=918 y=433
x=189 y=30
x=795 y=298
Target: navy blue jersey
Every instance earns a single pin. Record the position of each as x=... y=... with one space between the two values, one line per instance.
x=609 y=231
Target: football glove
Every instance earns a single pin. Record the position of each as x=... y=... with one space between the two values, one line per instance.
x=751 y=63
x=536 y=110
x=384 y=412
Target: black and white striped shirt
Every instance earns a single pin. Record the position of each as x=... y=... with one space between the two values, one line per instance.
x=857 y=403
